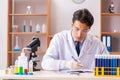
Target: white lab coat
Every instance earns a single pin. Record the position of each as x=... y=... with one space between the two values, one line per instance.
x=62 y=48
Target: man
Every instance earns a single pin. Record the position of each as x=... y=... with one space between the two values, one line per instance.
x=75 y=48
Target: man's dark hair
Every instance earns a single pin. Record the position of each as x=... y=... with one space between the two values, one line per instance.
x=84 y=16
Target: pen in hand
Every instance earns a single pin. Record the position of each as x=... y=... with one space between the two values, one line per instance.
x=77 y=61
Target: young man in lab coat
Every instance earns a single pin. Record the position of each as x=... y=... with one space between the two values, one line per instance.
x=62 y=52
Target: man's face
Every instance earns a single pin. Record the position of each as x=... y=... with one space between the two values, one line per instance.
x=79 y=30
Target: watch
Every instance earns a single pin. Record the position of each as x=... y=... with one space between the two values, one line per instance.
x=78 y=1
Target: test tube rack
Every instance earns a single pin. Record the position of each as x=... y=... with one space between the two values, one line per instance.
x=107 y=65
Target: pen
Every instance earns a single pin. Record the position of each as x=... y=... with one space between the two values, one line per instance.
x=75 y=59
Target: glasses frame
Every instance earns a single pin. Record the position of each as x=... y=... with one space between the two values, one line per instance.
x=79 y=30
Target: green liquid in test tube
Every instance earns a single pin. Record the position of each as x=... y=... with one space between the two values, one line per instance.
x=21 y=70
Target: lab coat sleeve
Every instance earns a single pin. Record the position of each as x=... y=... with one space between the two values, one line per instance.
x=103 y=50
x=99 y=47
x=51 y=59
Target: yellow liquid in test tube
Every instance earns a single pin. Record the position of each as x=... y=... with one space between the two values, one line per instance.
x=16 y=70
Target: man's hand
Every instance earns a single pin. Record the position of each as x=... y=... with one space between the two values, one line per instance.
x=76 y=65
x=72 y=64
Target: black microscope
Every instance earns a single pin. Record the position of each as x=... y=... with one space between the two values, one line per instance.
x=34 y=44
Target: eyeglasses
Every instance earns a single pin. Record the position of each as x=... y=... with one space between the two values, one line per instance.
x=79 y=30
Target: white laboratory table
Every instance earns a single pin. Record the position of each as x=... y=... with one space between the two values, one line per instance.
x=54 y=75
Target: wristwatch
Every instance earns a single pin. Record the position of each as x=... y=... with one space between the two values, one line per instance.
x=78 y=1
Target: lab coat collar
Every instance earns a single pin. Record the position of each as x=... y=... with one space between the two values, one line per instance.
x=71 y=42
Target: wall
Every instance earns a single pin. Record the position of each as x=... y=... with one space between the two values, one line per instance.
x=3 y=33
x=61 y=14
x=62 y=10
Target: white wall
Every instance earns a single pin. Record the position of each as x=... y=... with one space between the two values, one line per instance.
x=62 y=10
x=61 y=14
x=3 y=33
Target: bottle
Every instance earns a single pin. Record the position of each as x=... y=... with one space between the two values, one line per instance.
x=28 y=10
x=23 y=64
x=16 y=48
x=43 y=28
x=9 y=70
x=15 y=28
x=6 y=70
x=16 y=68
x=20 y=65
x=30 y=26
x=30 y=67
x=24 y=26
x=111 y=7
x=37 y=28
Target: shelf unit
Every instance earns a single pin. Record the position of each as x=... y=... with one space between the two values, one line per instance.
x=110 y=24
x=17 y=14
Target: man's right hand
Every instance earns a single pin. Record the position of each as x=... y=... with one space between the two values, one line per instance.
x=72 y=64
